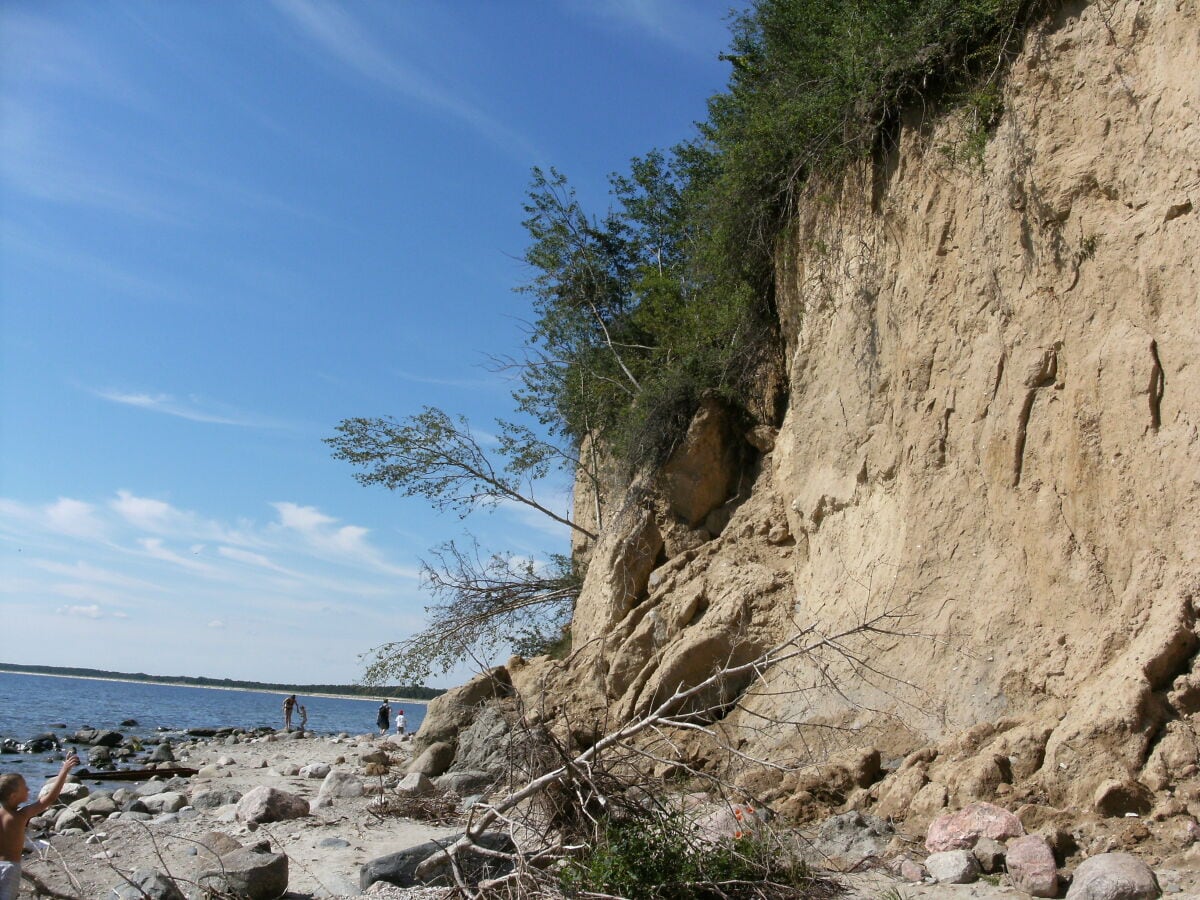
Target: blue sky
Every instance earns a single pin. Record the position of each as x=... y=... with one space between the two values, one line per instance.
x=224 y=228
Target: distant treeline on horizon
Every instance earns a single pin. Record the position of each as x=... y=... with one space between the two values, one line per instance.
x=412 y=691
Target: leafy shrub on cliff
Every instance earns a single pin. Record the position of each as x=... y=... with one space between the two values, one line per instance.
x=669 y=294
x=660 y=858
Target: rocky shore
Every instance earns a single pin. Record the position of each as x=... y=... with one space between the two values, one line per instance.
x=265 y=814
x=268 y=814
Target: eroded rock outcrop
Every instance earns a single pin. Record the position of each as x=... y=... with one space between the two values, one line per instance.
x=989 y=450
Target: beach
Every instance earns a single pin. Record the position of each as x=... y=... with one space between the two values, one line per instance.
x=325 y=849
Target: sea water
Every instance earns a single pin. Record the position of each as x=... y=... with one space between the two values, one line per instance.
x=31 y=704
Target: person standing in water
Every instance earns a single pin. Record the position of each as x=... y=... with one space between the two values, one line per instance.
x=303 y=716
x=289 y=703
x=14 y=818
x=384 y=718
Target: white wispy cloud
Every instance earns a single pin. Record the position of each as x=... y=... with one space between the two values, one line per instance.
x=347 y=544
x=155 y=548
x=471 y=384
x=685 y=25
x=91 y=574
x=343 y=37
x=91 y=611
x=193 y=409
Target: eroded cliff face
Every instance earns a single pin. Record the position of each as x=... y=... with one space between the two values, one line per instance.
x=992 y=441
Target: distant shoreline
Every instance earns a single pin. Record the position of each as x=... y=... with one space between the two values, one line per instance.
x=212 y=687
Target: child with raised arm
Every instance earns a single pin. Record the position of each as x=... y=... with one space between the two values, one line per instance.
x=14 y=818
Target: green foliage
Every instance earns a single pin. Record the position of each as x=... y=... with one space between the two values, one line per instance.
x=668 y=294
x=815 y=81
x=659 y=857
x=632 y=326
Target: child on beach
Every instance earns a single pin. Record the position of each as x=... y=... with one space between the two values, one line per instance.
x=303 y=716
x=401 y=723
x=14 y=818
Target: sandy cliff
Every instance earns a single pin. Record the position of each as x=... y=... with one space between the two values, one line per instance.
x=992 y=432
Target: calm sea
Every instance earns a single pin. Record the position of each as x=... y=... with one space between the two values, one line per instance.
x=30 y=704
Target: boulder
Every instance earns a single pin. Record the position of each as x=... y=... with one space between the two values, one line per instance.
x=166 y=802
x=106 y=739
x=960 y=830
x=247 y=874
x=315 y=770
x=1031 y=866
x=896 y=793
x=71 y=792
x=990 y=854
x=215 y=798
x=414 y=784
x=952 y=867
x=267 y=804
x=454 y=710
x=851 y=837
x=700 y=474
x=400 y=868
x=163 y=753
x=1113 y=876
x=483 y=746
x=148 y=884
x=99 y=804
x=465 y=783
x=338 y=784
x=212 y=845
x=70 y=818
x=434 y=761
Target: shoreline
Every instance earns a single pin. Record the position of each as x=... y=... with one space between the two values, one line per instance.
x=214 y=687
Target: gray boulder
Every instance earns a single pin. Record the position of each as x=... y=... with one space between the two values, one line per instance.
x=484 y=744
x=400 y=868
x=166 y=802
x=952 y=867
x=268 y=804
x=315 y=770
x=107 y=739
x=70 y=818
x=71 y=792
x=1113 y=876
x=162 y=753
x=989 y=854
x=339 y=784
x=415 y=785
x=148 y=884
x=465 y=783
x=98 y=804
x=215 y=798
x=454 y=710
x=852 y=837
x=212 y=845
x=247 y=874
x=434 y=761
